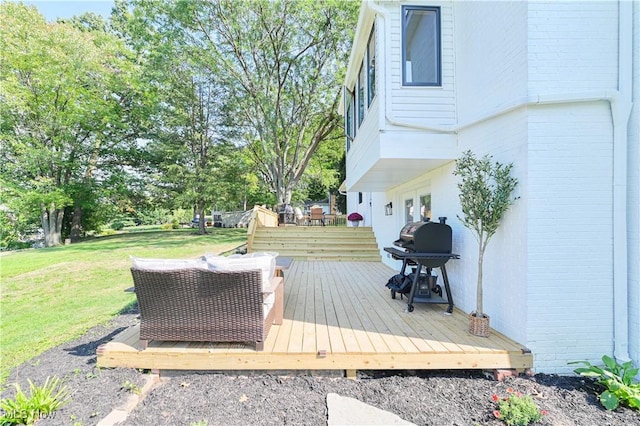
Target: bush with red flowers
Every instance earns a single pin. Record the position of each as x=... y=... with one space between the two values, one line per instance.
x=517 y=409
x=354 y=217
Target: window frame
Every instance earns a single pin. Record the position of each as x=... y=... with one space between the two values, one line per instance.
x=361 y=88
x=438 y=58
x=425 y=206
x=371 y=68
x=349 y=116
x=409 y=211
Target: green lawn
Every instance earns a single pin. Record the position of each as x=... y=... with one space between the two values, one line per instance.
x=50 y=296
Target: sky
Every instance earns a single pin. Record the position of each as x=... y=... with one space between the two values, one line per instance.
x=54 y=9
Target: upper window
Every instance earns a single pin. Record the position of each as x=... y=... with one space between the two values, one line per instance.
x=371 y=66
x=362 y=85
x=421 y=46
x=349 y=122
x=358 y=101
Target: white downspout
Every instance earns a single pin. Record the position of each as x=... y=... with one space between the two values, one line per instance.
x=621 y=112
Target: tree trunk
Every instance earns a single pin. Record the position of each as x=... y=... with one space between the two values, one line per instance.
x=51 y=219
x=283 y=194
x=479 y=306
x=203 y=220
x=76 y=224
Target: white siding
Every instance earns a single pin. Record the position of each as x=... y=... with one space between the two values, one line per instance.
x=573 y=46
x=421 y=105
x=365 y=148
x=570 y=242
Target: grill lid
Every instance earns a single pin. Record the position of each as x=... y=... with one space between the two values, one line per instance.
x=426 y=237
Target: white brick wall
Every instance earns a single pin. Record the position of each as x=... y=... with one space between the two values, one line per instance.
x=572 y=46
x=490 y=47
x=505 y=263
x=569 y=236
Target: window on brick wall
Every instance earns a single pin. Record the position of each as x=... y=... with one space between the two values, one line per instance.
x=421 y=46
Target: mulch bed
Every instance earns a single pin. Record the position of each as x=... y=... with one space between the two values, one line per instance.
x=457 y=397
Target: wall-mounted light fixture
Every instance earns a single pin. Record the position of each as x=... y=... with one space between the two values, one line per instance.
x=388 y=209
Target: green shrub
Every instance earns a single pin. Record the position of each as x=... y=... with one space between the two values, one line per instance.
x=16 y=245
x=517 y=409
x=43 y=400
x=618 y=379
x=175 y=224
x=118 y=225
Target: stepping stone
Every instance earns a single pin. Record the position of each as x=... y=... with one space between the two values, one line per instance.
x=345 y=411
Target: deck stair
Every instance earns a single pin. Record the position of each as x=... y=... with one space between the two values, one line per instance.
x=336 y=243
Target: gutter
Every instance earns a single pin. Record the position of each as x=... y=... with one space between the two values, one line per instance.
x=620 y=102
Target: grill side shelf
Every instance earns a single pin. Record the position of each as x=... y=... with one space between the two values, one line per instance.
x=402 y=255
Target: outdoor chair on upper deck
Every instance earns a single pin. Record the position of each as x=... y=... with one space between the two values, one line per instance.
x=316 y=215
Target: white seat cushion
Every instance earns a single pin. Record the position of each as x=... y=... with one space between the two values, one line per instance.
x=267 y=303
x=168 y=264
x=264 y=261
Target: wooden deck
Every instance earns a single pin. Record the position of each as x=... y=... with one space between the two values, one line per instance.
x=338 y=316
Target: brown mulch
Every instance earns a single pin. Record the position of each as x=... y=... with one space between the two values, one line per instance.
x=452 y=397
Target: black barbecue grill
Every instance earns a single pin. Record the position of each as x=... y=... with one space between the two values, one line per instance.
x=425 y=244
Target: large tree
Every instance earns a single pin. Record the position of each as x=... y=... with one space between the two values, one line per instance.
x=193 y=158
x=65 y=94
x=282 y=63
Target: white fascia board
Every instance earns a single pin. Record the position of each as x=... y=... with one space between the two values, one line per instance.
x=360 y=40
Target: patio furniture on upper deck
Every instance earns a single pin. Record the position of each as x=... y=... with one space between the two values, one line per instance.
x=316 y=215
x=301 y=218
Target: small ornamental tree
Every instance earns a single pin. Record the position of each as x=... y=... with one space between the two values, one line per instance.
x=486 y=189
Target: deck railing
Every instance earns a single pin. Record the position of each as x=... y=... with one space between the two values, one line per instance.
x=260 y=217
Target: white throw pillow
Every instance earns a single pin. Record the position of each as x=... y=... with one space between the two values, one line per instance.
x=168 y=264
x=264 y=261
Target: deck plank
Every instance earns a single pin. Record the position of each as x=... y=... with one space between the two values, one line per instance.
x=370 y=308
x=387 y=321
x=308 y=318
x=374 y=341
x=342 y=338
x=336 y=342
x=301 y=284
x=337 y=315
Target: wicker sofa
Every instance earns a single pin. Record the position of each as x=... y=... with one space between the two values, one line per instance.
x=202 y=305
